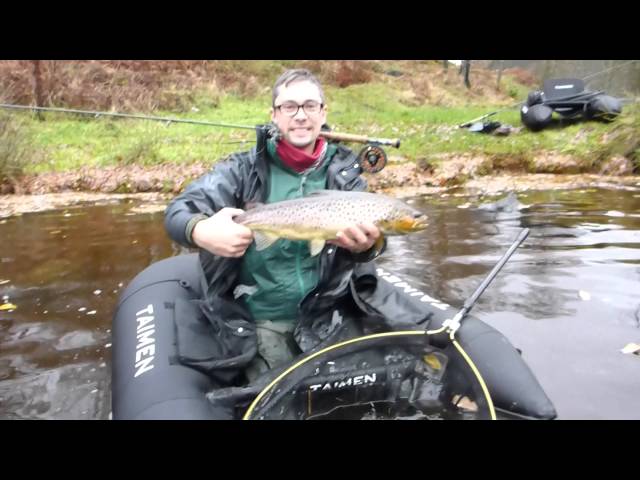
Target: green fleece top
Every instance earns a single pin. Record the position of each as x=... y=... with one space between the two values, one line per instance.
x=277 y=278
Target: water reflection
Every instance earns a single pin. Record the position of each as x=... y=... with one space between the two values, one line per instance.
x=66 y=269
x=569 y=297
x=578 y=272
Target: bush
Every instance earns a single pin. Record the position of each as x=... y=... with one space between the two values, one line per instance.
x=15 y=153
x=623 y=139
x=129 y=86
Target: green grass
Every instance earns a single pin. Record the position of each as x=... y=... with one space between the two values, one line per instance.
x=623 y=138
x=429 y=130
x=72 y=142
x=68 y=142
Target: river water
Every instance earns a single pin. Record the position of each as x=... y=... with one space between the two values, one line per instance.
x=569 y=298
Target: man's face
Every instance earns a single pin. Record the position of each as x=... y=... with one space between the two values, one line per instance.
x=301 y=129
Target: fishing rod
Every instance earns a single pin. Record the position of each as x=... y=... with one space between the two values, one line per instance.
x=453 y=324
x=487 y=115
x=372 y=157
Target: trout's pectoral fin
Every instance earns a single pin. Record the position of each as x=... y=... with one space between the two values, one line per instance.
x=264 y=240
x=316 y=246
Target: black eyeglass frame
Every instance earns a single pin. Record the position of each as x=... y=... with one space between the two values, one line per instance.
x=279 y=107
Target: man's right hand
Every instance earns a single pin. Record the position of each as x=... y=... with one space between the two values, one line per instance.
x=220 y=235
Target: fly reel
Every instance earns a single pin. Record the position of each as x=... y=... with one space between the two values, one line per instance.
x=372 y=158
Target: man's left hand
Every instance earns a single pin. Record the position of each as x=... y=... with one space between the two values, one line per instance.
x=357 y=238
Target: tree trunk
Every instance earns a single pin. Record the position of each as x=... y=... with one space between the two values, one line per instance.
x=500 y=68
x=37 y=87
x=465 y=67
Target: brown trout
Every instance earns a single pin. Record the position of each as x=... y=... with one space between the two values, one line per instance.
x=319 y=216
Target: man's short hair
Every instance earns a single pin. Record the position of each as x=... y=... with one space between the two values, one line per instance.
x=295 y=75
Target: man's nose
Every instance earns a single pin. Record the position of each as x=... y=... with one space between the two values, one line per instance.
x=300 y=114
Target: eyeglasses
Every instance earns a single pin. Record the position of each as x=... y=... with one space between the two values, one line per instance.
x=291 y=109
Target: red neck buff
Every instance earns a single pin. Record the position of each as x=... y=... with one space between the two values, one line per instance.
x=298 y=159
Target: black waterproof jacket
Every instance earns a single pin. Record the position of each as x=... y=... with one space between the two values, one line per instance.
x=223 y=340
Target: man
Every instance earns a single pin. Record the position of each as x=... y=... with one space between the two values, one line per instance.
x=263 y=308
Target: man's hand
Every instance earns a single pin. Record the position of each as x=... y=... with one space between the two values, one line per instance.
x=357 y=238
x=220 y=235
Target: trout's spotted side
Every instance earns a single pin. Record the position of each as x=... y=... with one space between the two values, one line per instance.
x=321 y=215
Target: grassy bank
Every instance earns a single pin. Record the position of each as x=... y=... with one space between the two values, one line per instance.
x=423 y=115
x=61 y=143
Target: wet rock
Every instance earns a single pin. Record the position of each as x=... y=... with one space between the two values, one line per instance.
x=75 y=340
x=617 y=165
x=144 y=185
x=555 y=163
x=58 y=393
x=424 y=165
x=456 y=170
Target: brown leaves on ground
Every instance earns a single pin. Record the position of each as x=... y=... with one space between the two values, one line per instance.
x=121 y=179
x=107 y=84
x=523 y=76
x=147 y=85
x=341 y=73
x=439 y=171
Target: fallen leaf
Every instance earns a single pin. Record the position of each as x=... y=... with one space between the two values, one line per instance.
x=584 y=295
x=631 y=348
x=465 y=403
